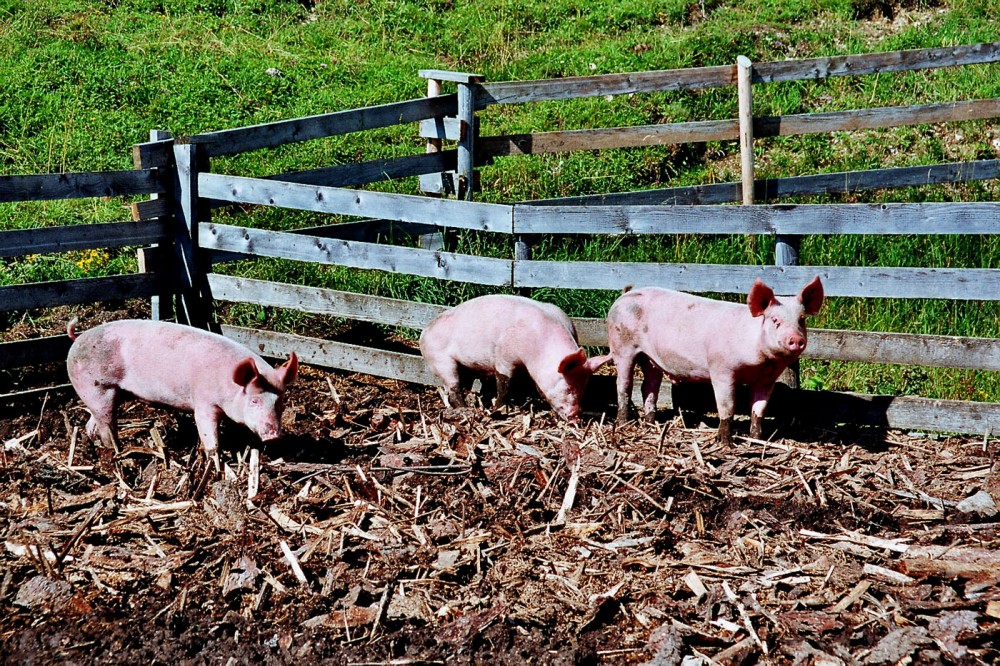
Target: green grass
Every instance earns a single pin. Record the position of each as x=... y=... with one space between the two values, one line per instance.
x=84 y=81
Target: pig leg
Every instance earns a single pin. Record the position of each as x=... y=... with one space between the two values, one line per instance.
x=207 y=420
x=503 y=383
x=625 y=365
x=652 y=377
x=725 y=402
x=760 y=396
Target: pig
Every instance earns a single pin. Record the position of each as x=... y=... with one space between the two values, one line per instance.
x=497 y=335
x=180 y=367
x=690 y=338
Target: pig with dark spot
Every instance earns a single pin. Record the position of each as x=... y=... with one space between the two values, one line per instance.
x=690 y=338
x=498 y=335
x=178 y=366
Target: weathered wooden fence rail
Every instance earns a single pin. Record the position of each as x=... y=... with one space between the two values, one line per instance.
x=149 y=226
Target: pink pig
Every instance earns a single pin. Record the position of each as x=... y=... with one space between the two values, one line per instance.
x=691 y=338
x=498 y=334
x=177 y=366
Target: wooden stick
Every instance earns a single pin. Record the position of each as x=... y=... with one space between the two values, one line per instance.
x=744 y=74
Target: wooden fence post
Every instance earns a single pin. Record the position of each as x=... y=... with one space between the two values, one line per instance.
x=467 y=135
x=434 y=241
x=194 y=297
x=744 y=74
x=153 y=259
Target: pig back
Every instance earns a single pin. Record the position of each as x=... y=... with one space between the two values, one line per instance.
x=681 y=333
x=498 y=329
x=159 y=362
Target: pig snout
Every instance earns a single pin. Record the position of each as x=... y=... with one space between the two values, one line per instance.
x=269 y=432
x=796 y=343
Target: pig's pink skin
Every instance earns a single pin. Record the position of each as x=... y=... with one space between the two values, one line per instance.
x=177 y=366
x=690 y=338
x=497 y=334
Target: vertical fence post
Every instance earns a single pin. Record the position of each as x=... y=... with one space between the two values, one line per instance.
x=744 y=75
x=153 y=259
x=193 y=302
x=434 y=241
x=467 y=136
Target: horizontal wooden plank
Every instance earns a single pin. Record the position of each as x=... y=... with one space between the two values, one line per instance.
x=865 y=282
x=315 y=249
x=372 y=171
x=363 y=307
x=446 y=75
x=785 y=219
x=153 y=154
x=339 y=355
x=935 y=351
x=489 y=147
x=892 y=116
x=536 y=143
x=150 y=209
x=72 y=292
x=449 y=129
x=874 y=63
x=513 y=92
x=776 y=188
x=930 y=351
x=19 y=242
x=362 y=203
x=271 y=135
x=35 y=351
x=79 y=185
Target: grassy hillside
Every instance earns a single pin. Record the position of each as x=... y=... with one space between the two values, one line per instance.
x=84 y=81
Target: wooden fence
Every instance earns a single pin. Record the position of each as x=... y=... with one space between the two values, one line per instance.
x=150 y=224
x=688 y=210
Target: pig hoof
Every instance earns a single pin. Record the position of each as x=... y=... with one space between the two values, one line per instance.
x=649 y=417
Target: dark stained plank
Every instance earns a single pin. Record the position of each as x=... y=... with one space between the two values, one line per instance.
x=19 y=242
x=79 y=185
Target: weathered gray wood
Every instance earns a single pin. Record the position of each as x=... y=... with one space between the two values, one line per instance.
x=363 y=307
x=372 y=171
x=341 y=356
x=194 y=299
x=893 y=116
x=537 y=143
x=270 y=135
x=873 y=63
x=729 y=130
x=864 y=282
x=72 y=292
x=437 y=129
x=19 y=242
x=466 y=115
x=936 y=351
x=362 y=203
x=513 y=92
x=150 y=209
x=447 y=75
x=155 y=153
x=411 y=261
x=827 y=183
x=34 y=352
x=782 y=219
x=79 y=185
x=368 y=231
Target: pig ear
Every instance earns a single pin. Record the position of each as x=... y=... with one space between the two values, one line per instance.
x=288 y=371
x=572 y=361
x=811 y=296
x=759 y=298
x=245 y=372
x=594 y=364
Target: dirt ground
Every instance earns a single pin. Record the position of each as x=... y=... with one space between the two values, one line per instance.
x=385 y=529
